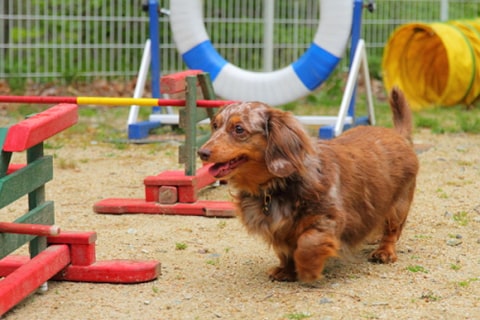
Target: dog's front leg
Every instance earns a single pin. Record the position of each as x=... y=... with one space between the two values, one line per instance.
x=285 y=271
x=314 y=247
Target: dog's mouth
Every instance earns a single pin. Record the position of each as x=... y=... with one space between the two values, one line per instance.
x=220 y=170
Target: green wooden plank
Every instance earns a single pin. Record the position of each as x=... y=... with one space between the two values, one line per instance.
x=207 y=91
x=43 y=214
x=191 y=126
x=25 y=180
x=3 y=135
x=202 y=139
x=5 y=157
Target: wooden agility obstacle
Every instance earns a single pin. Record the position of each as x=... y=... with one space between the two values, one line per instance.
x=54 y=254
x=176 y=191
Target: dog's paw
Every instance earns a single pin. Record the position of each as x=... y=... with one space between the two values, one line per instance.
x=383 y=255
x=282 y=274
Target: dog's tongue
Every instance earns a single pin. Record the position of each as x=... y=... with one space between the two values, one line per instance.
x=219 y=170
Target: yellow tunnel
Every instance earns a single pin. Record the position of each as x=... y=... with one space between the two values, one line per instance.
x=435 y=64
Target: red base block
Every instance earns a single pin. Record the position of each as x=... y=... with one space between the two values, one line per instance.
x=112 y=271
x=187 y=186
x=81 y=264
x=163 y=189
x=25 y=279
x=199 y=208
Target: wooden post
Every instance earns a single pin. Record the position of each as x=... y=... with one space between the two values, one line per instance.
x=190 y=126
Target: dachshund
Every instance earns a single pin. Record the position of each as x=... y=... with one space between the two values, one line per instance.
x=309 y=198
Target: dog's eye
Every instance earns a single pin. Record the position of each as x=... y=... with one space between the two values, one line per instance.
x=239 y=129
x=214 y=126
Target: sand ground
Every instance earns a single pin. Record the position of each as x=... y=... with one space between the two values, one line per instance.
x=221 y=271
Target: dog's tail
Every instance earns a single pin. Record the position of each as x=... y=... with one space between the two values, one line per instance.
x=402 y=115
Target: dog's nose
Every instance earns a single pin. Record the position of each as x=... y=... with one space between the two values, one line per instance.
x=204 y=154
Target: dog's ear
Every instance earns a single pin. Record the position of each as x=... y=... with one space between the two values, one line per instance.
x=287 y=144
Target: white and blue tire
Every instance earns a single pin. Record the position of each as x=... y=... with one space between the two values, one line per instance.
x=276 y=87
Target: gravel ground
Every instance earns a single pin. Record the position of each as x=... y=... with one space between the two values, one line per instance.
x=212 y=269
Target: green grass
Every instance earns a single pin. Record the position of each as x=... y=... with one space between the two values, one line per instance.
x=180 y=246
x=298 y=315
x=105 y=124
x=327 y=99
x=417 y=269
x=461 y=218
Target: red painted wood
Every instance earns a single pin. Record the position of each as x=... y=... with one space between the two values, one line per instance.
x=11 y=263
x=113 y=271
x=199 y=103
x=170 y=178
x=187 y=194
x=152 y=193
x=83 y=254
x=69 y=237
x=28 y=277
x=110 y=271
x=199 y=208
x=82 y=246
x=14 y=167
x=188 y=186
x=178 y=178
x=27 y=228
x=40 y=127
x=68 y=100
x=38 y=99
x=175 y=82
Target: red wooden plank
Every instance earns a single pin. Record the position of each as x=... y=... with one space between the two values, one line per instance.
x=178 y=178
x=40 y=127
x=113 y=271
x=14 y=167
x=27 y=278
x=175 y=82
x=170 y=178
x=69 y=237
x=11 y=263
x=199 y=208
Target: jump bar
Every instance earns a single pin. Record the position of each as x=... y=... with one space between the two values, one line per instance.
x=31 y=229
x=110 y=101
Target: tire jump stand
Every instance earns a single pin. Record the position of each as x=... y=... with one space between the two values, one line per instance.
x=175 y=192
x=55 y=254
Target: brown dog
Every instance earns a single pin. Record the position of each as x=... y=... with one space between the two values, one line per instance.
x=307 y=199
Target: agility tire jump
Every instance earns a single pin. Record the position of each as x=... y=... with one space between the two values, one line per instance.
x=277 y=87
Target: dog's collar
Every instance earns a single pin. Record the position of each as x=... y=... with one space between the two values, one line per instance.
x=267 y=203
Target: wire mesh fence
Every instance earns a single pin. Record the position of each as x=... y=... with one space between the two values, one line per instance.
x=67 y=39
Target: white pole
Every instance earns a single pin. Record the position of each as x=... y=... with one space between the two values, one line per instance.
x=140 y=86
x=350 y=86
x=268 y=19
x=444 y=10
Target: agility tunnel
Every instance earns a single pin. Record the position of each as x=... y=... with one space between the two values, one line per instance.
x=435 y=64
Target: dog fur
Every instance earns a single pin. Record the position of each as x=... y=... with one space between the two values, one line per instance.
x=306 y=199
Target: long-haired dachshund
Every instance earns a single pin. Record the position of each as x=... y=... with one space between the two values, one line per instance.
x=307 y=199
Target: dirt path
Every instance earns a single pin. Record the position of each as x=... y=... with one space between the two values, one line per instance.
x=221 y=271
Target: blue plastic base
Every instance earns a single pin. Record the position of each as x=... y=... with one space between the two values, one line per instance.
x=140 y=130
x=327 y=132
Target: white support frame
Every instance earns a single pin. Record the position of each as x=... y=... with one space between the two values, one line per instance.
x=359 y=62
